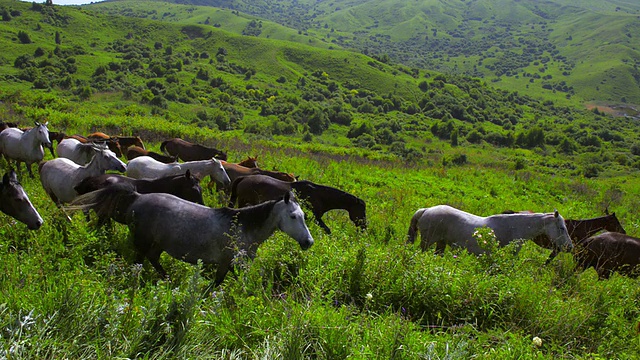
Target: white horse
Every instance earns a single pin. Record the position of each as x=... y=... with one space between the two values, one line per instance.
x=25 y=146
x=445 y=225
x=60 y=176
x=145 y=167
x=78 y=152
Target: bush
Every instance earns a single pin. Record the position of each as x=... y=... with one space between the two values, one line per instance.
x=24 y=37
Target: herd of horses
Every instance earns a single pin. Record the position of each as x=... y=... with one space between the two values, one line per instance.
x=160 y=200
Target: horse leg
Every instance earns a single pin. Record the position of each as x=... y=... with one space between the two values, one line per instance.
x=321 y=223
x=221 y=272
x=552 y=256
x=425 y=241
x=153 y=254
x=28 y=166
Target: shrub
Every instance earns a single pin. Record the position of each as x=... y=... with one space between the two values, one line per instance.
x=24 y=37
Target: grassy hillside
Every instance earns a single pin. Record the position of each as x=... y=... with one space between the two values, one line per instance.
x=399 y=138
x=553 y=49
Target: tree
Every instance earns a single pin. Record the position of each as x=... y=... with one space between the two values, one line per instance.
x=24 y=37
x=58 y=38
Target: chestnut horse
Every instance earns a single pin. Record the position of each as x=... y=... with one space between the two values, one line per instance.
x=187 y=151
x=136 y=151
x=254 y=189
x=99 y=137
x=126 y=141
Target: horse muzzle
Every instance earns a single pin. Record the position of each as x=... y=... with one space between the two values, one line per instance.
x=305 y=244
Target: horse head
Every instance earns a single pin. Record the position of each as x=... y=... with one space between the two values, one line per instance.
x=15 y=202
x=219 y=173
x=358 y=213
x=613 y=224
x=108 y=160
x=42 y=134
x=291 y=221
x=557 y=232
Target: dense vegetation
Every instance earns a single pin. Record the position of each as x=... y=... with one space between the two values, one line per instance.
x=514 y=44
x=399 y=137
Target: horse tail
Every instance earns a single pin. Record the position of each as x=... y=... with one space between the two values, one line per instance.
x=110 y=202
x=413 y=226
x=234 y=191
x=163 y=145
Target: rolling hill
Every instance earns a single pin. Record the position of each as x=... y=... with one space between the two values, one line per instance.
x=588 y=49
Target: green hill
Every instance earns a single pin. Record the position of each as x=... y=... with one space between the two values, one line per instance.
x=587 y=49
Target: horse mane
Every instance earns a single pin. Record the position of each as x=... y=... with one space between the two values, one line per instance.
x=251 y=216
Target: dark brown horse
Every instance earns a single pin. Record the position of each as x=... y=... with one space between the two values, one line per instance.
x=126 y=141
x=6 y=125
x=55 y=136
x=251 y=190
x=609 y=252
x=135 y=151
x=15 y=202
x=112 y=143
x=187 y=151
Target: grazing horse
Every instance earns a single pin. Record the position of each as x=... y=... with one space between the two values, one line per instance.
x=187 y=151
x=25 y=146
x=445 y=225
x=126 y=141
x=192 y=232
x=15 y=202
x=78 y=152
x=146 y=167
x=609 y=252
x=580 y=230
x=60 y=176
x=254 y=189
x=136 y=151
x=184 y=186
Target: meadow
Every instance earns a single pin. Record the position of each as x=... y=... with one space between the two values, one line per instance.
x=71 y=289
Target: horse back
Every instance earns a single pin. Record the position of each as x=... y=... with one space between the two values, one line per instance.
x=255 y=189
x=610 y=251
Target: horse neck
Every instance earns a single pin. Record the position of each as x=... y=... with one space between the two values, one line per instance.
x=582 y=229
x=332 y=198
x=94 y=167
x=258 y=221
x=30 y=137
x=527 y=226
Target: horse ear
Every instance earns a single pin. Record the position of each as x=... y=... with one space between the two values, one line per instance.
x=36 y=123
x=556 y=213
x=606 y=211
x=6 y=180
x=47 y=123
x=188 y=174
x=287 y=197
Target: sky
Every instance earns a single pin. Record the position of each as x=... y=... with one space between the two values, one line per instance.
x=66 y=2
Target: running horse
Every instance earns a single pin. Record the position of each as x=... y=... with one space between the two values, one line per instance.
x=192 y=232
x=445 y=225
x=15 y=202
x=25 y=146
x=254 y=189
x=187 y=151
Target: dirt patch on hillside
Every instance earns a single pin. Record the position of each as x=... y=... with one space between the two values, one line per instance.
x=625 y=110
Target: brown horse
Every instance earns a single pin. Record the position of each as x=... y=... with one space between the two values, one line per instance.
x=98 y=137
x=250 y=162
x=135 y=151
x=57 y=136
x=251 y=190
x=187 y=151
x=609 y=252
x=126 y=141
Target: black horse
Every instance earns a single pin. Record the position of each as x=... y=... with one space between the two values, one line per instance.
x=254 y=189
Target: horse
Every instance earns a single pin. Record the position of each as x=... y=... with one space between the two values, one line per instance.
x=580 y=230
x=126 y=141
x=15 y=202
x=187 y=151
x=250 y=162
x=55 y=136
x=609 y=252
x=25 y=146
x=60 y=176
x=6 y=125
x=146 y=167
x=192 y=232
x=98 y=137
x=254 y=189
x=136 y=151
x=76 y=151
x=444 y=225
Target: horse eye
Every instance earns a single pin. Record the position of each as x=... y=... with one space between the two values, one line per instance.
x=293 y=217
